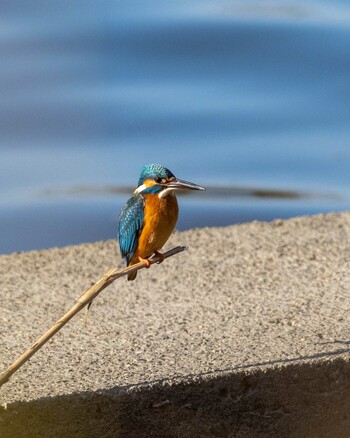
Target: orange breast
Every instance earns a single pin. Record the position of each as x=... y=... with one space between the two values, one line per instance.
x=160 y=218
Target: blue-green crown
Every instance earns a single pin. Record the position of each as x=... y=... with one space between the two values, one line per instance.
x=151 y=171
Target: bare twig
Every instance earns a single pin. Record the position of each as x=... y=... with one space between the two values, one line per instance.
x=86 y=298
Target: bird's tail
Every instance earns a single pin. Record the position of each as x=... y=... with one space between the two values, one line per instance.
x=132 y=275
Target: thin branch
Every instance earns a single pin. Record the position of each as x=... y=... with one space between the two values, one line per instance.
x=86 y=298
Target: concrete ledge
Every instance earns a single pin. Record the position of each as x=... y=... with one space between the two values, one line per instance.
x=246 y=335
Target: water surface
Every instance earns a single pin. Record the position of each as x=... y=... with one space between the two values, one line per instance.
x=247 y=98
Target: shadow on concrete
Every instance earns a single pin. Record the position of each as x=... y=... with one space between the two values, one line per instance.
x=336 y=341
x=309 y=398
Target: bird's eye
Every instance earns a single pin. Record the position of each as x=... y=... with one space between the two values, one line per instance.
x=158 y=179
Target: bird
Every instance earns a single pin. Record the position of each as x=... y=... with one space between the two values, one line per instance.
x=148 y=218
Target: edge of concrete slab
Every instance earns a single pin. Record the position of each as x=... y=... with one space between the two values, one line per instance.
x=292 y=395
x=295 y=400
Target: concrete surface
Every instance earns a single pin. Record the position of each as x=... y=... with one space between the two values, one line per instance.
x=245 y=335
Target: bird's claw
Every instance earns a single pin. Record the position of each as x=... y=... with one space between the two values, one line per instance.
x=160 y=256
x=145 y=261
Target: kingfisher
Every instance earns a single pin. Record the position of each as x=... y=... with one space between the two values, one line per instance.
x=149 y=217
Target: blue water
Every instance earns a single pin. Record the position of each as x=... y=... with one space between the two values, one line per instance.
x=249 y=98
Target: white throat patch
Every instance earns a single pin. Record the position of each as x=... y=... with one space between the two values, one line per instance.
x=166 y=192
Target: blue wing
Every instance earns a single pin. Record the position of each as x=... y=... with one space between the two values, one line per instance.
x=130 y=226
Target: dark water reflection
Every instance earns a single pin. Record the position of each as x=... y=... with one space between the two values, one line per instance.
x=212 y=192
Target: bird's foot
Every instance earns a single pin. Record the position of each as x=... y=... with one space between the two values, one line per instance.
x=145 y=261
x=160 y=256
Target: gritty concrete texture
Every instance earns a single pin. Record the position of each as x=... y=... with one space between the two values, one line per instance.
x=245 y=335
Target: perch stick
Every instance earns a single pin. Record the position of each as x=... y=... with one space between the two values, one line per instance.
x=107 y=278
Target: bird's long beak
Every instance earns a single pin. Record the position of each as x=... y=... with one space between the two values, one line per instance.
x=181 y=184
